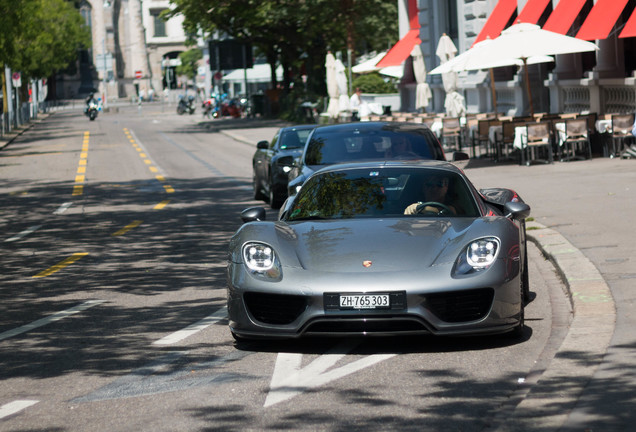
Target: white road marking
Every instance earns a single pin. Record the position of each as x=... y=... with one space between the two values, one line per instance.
x=62 y=208
x=14 y=407
x=24 y=233
x=193 y=328
x=51 y=318
x=290 y=380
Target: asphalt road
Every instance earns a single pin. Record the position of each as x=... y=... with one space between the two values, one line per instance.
x=112 y=296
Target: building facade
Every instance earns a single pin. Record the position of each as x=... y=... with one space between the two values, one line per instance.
x=601 y=82
x=133 y=50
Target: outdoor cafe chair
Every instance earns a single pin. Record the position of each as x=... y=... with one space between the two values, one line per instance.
x=505 y=142
x=538 y=145
x=621 y=132
x=452 y=132
x=481 y=134
x=576 y=145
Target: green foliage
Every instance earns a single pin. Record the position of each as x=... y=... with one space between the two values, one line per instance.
x=39 y=37
x=373 y=83
x=189 y=62
x=296 y=34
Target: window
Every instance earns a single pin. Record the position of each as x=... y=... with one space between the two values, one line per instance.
x=159 y=24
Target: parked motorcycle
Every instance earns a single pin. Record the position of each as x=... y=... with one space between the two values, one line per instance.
x=186 y=105
x=210 y=108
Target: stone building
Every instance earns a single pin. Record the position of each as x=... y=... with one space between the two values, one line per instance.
x=133 y=50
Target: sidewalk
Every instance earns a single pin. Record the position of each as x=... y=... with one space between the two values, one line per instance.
x=548 y=400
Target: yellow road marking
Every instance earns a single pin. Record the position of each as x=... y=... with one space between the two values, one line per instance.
x=160 y=177
x=168 y=188
x=143 y=155
x=148 y=161
x=82 y=162
x=162 y=204
x=154 y=170
x=81 y=170
x=79 y=179
x=83 y=155
x=124 y=230
x=59 y=266
x=78 y=190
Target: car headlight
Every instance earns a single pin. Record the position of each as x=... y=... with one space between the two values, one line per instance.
x=479 y=255
x=261 y=260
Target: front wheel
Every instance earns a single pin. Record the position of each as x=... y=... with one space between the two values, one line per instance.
x=258 y=195
x=276 y=200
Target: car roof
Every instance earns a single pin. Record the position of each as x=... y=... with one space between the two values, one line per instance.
x=298 y=127
x=419 y=163
x=372 y=125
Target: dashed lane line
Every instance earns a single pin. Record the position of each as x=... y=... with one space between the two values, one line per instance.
x=124 y=230
x=50 y=319
x=62 y=264
x=24 y=233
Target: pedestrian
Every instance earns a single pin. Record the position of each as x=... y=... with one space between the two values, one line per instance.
x=354 y=103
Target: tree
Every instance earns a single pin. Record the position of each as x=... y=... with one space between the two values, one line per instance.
x=40 y=37
x=296 y=33
x=189 y=63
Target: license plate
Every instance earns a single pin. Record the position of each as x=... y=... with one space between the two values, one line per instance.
x=364 y=301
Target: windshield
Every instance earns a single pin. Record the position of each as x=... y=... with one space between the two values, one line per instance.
x=385 y=192
x=328 y=147
x=294 y=138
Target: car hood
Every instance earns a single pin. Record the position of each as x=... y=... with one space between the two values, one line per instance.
x=389 y=244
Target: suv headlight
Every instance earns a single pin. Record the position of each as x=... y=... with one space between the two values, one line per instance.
x=261 y=260
x=479 y=255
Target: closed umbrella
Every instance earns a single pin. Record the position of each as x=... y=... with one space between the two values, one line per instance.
x=332 y=86
x=343 y=89
x=422 y=91
x=454 y=103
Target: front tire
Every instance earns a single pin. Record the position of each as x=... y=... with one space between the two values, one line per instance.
x=275 y=199
x=258 y=194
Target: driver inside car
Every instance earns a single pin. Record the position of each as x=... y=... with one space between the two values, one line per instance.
x=435 y=198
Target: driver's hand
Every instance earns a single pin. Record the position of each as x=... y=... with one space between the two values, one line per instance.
x=412 y=209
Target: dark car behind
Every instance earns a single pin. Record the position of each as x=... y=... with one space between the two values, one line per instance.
x=362 y=141
x=273 y=161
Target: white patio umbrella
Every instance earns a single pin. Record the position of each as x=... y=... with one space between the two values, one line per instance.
x=369 y=65
x=454 y=103
x=332 y=86
x=472 y=59
x=521 y=42
x=422 y=91
x=341 y=80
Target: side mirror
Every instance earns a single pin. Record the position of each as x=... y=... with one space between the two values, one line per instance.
x=460 y=156
x=253 y=214
x=262 y=145
x=517 y=210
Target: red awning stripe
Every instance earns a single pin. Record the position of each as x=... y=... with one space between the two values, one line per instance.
x=401 y=50
x=497 y=20
x=630 y=27
x=532 y=11
x=601 y=19
x=563 y=16
x=414 y=19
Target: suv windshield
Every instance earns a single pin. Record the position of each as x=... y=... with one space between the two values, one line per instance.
x=330 y=146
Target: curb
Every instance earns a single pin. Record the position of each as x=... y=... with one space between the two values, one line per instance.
x=237 y=137
x=551 y=399
x=8 y=138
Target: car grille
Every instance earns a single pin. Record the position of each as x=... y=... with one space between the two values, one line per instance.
x=461 y=306
x=275 y=308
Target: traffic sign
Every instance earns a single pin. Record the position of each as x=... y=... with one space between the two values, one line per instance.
x=138 y=74
x=16 y=79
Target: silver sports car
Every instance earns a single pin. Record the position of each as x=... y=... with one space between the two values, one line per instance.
x=379 y=248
